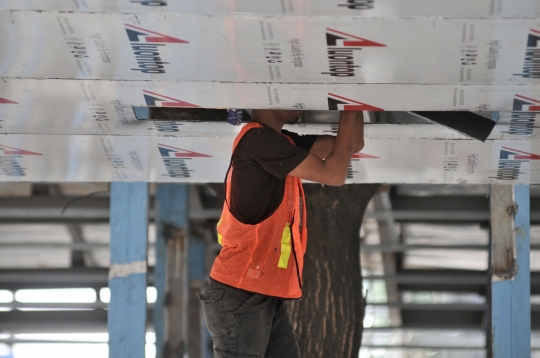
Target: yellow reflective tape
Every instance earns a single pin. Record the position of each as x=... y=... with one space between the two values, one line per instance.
x=285 y=247
x=219 y=239
x=219 y=236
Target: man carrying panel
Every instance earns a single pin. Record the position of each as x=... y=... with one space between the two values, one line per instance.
x=263 y=230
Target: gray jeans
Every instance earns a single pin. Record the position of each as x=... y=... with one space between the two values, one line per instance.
x=244 y=324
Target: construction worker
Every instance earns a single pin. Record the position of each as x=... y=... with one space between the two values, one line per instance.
x=263 y=231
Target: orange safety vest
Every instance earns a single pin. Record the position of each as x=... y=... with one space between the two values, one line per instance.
x=267 y=257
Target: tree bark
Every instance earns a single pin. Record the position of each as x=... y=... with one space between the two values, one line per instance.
x=328 y=320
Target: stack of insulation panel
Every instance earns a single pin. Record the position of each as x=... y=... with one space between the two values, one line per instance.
x=72 y=70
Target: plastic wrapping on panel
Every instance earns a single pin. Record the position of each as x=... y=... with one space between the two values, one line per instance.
x=77 y=96
x=257 y=49
x=364 y=8
x=101 y=158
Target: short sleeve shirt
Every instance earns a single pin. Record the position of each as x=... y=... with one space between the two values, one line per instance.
x=261 y=161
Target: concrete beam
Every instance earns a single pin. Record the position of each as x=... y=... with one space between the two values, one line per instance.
x=405 y=248
x=63 y=210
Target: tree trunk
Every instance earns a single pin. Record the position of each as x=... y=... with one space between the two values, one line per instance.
x=328 y=320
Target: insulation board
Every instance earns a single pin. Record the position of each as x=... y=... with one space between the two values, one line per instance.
x=364 y=8
x=257 y=49
x=102 y=158
x=75 y=97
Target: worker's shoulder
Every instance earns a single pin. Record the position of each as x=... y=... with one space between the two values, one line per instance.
x=262 y=139
x=267 y=131
x=260 y=130
x=256 y=137
x=265 y=134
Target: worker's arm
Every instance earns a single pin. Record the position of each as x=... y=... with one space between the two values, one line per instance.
x=333 y=170
x=324 y=143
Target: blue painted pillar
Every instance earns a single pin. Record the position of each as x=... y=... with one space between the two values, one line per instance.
x=510 y=280
x=170 y=322
x=127 y=273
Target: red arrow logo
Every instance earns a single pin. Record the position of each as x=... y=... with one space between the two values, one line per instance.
x=15 y=151
x=336 y=102
x=7 y=101
x=339 y=38
x=364 y=156
x=150 y=36
x=155 y=99
x=173 y=152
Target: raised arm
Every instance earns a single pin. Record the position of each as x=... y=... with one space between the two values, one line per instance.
x=324 y=143
x=332 y=170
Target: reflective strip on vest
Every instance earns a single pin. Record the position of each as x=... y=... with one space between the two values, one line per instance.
x=285 y=247
x=219 y=236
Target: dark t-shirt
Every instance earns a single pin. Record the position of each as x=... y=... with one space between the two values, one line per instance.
x=261 y=161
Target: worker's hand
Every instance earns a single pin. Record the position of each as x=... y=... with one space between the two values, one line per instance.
x=347 y=116
x=359 y=132
x=358 y=118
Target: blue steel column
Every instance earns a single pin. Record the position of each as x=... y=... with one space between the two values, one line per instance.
x=510 y=306
x=171 y=210
x=127 y=273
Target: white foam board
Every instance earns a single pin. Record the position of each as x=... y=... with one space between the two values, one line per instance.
x=74 y=98
x=364 y=8
x=101 y=158
x=255 y=49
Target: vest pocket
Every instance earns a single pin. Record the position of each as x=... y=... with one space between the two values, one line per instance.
x=214 y=312
x=285 y=247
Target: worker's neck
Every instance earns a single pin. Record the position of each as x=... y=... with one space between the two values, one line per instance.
x=268 y=118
